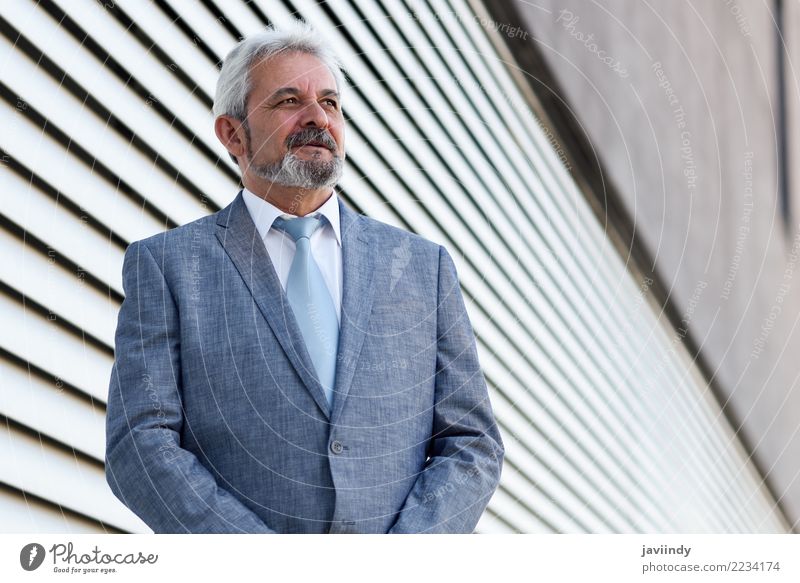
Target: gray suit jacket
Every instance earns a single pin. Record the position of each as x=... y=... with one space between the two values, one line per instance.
x=217 y=423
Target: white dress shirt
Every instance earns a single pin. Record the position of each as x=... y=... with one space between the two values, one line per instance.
x=326 y=241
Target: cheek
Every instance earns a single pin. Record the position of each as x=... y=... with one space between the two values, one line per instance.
x=289 y=120
x=275 y=135
x=338 y=135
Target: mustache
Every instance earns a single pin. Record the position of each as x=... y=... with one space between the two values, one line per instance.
x=315 y=136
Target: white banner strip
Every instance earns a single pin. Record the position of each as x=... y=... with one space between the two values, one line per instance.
x=417 y=558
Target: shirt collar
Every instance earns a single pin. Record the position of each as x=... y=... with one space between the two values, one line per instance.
x=264 y=213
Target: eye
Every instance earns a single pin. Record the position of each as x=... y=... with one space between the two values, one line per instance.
x=332 y=102
x=289 y=100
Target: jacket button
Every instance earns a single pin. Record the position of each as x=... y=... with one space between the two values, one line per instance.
x=336 y=447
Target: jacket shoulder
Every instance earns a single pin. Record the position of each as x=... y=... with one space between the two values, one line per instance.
x=178 y=237
x=392 y=235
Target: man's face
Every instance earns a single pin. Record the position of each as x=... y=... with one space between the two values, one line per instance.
x=294 y=126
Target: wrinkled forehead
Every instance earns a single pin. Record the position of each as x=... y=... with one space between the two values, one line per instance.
x=296 y=69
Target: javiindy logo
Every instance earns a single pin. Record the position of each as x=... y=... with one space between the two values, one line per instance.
x=31 y=556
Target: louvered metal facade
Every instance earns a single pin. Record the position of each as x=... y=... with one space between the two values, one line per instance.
x=107 y=137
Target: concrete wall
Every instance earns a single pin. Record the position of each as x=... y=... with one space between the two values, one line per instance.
x=679 y=99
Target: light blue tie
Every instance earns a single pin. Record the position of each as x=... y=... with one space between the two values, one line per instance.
x=311 y=301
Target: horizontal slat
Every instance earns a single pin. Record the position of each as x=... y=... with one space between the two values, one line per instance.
x=52 y=410
x=50 y=473
x=20 y=514
x=48 y=159
x=238 y=14
x=134 y=110
x=505 y=505
x=152 y=74
x=33 y=338
x=66 y=296
x=204 y=25
x=181 y=50
x=68 y=235
x=63 y=110
x=489 y=524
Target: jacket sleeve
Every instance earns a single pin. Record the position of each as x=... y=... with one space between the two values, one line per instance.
x=466 y=450
x=146 y=467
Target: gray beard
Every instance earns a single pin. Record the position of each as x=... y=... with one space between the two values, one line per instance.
x=293 y=172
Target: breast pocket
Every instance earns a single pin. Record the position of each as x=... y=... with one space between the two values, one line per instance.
x=411 y=318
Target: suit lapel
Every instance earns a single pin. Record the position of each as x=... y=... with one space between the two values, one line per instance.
x=357 y=295
x=239 y=237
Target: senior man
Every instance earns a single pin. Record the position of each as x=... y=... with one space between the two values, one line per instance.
x=287 y=365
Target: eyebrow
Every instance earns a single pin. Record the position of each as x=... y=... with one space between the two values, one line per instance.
x=285 y=91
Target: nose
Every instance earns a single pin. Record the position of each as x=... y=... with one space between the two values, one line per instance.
x=314 y=115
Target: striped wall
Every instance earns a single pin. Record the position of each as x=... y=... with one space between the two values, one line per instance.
x=107 y=138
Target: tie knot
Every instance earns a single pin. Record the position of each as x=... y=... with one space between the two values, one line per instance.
x=299 y=227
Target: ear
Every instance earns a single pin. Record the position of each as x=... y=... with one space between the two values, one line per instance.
x=231 y=133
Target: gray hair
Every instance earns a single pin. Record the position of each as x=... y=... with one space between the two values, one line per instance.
x=234 y=83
